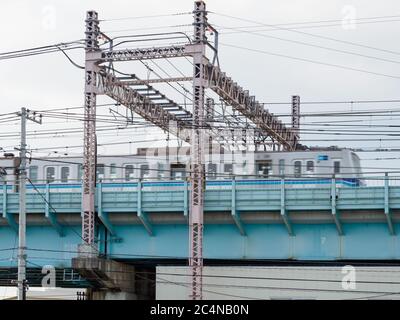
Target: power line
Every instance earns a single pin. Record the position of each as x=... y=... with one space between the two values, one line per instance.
x=146 y=17
x=311 y=61
x=149 y=28
x=301 y=27
x=325 y=21
x=39 y=52
x=336 y=102
x=317 y=46
x=47 y=47
x=308 y=34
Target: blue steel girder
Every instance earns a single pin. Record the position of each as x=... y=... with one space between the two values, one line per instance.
x=140 y=213
x=334 y=210
x=284 y=214
x=50 y=215
x=186 y=200
x=6 y=215
x=103 y=216
x=234 y=212
x=387 y=210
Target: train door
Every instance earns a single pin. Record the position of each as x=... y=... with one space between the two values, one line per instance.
x=144 y=171
x=228 y=170
x=113 y=171
x=161 y=170
x=100 y=172
x=50 y=174
x=212 y=171
x=263 y=168
x=33 y=174
x=65 y=171
x=337 y=166
x=129 y=172
x=310 y=168
x=178 y=171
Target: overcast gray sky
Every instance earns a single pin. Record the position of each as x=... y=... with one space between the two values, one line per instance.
x=50 y=81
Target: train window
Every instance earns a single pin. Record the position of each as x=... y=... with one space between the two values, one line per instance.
x=144 y=170
x=33 y=173
x=129 y=172
x=263 y=168
x=297 y=169
x=80 y=172
x=160 y=170
x=281 y=167
x=212 y=170
x=64 y=174
x=336 y=167
x=100 y=171
x=228 y=170
x=50 y=174
x=178 y=171
x=310 y=166
x=113 y=170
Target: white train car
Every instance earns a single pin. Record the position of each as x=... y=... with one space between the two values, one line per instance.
x=9 y=165
x=174 y=164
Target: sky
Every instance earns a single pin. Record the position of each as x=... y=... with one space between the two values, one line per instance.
x=273 y=64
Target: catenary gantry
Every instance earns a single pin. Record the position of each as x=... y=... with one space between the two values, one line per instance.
x=154 y=106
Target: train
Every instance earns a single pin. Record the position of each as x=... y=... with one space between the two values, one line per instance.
x=311 y=166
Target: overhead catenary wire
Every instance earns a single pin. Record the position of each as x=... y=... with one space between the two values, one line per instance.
x=146 y=16
x=306 y=33
x=310 y=61
x=311 y=22
x=313 y=45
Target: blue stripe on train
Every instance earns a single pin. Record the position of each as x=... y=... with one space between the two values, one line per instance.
x=348 y=182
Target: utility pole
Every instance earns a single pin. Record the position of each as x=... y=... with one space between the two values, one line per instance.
x=22 y=283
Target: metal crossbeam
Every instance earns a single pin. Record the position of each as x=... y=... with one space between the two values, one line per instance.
x=160 y=80
x=160 y=114
x=143 y=54
x=241 y=101
x=109 y=85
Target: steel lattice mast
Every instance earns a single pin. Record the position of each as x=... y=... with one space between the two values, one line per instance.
x=89 y=153
x=296 y=116
x=197 y=172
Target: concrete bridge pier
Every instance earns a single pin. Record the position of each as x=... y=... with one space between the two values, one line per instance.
x=113 y=280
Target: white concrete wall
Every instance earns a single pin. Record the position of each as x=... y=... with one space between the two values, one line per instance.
x=230 y=283
x=40 y=293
